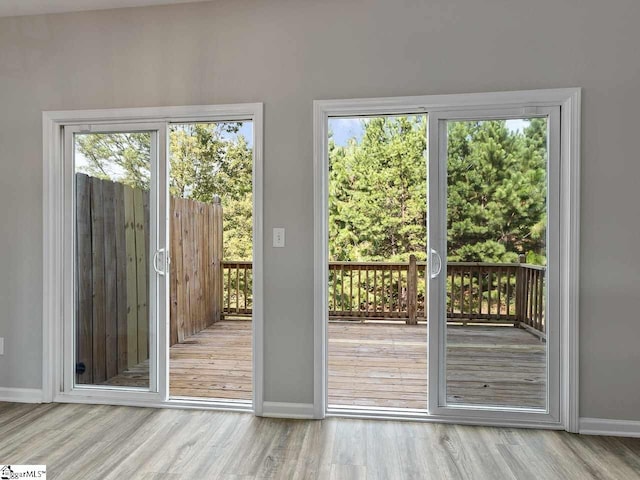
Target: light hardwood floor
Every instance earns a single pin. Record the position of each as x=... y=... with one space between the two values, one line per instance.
x=106 y=442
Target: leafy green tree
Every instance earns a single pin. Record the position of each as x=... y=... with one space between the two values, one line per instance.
x=496 y=198
x=119 y=157
x=377 y=197
x=206 y=159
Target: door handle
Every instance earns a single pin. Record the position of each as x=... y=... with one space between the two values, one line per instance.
x=155 y=261
x=435 y=254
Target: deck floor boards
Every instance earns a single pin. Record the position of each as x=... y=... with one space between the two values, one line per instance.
x=370 y=365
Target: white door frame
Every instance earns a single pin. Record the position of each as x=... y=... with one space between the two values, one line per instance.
x=56 y=189
x=568 y=99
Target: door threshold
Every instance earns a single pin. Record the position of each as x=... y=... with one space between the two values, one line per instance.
x=377 y=412
x=211 y=404
x=423 y=416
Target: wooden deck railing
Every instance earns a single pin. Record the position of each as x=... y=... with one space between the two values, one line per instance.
x=482 y=291
x=377 y=290
x=511 y=293
x=237 y=285
x=496 y=293
x=531 y=298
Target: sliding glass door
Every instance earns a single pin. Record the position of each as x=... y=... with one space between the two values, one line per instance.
x=493 y=228
x=117 y=249
x=211 y=227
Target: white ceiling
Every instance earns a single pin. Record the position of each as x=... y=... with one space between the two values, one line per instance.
x=13 y=8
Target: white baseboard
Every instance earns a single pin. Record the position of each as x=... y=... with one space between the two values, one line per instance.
x=21 y=395
x=287 y=410
x=604 y=426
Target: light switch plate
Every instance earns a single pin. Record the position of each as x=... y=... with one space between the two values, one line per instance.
x=278 y=237
x=1 y=345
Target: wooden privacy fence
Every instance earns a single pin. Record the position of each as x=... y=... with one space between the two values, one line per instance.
x=112 y=278
x=113 y=264
x=511 y=293
x=195 y=274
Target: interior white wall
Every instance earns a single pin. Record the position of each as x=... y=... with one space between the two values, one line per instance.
x=286 y=54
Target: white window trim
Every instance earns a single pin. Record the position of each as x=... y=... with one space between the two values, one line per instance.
x=53 y=247
x=569 y=101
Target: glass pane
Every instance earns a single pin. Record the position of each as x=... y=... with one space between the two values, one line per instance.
x=496 y=237
x=112 y=231
x=211 y=245
x=377 y=333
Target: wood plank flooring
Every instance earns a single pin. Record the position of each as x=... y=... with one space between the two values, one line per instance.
x=371 y=365
x=108 y=442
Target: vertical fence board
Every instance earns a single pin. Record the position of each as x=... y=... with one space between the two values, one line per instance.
x=132 y=277
x=207 y=246
x=110 y=279
x=121 y=276
x=146 y=227
x=202 y=267
x=182 y=293
x=194 y=282
x=84 y=281
x=175 y=249
x=218 y=238
x=141 y=275
x=187 y=259
x=199 y=225
x=194 y=266
x=98 y=284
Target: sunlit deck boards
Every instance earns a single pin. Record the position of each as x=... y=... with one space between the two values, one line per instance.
x=385 y=365
x=214 y=363
x=502 y=366
x=376 y=365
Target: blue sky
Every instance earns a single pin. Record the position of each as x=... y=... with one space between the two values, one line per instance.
x=246 y=130
x=345 y=129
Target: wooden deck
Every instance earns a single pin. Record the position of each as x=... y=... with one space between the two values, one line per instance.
x=385 y=365
x=215 y=363
x=371 y=364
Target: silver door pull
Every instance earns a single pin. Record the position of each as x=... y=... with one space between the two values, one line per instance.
x=436 y=255
x=155 y=261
